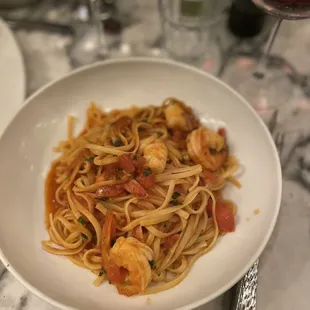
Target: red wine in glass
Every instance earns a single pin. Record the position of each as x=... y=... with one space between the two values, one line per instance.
x=285 y=9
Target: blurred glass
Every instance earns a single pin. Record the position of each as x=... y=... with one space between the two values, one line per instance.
x=187 y=35
x=279 y=89
x=267 y=81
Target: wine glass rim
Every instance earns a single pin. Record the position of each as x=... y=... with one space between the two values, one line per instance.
x=278 y=12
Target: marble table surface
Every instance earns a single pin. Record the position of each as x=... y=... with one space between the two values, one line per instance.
x=284 y=271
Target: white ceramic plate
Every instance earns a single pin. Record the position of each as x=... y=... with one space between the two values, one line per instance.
x=12 y=76
x=26 y=154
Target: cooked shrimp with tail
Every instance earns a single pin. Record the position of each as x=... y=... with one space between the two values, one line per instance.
x=132 y=257
x=207 y=147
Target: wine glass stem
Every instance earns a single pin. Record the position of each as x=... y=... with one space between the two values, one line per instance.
x=261 y=65
x=95 y=6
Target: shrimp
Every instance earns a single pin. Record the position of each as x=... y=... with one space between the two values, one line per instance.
x=133 y=256
x=156 y=154
x=179 y=116
x=208 y=148
x=174 y=114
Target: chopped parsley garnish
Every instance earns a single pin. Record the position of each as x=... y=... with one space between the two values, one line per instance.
x=144 y=121
x=175 y=203
x=152 y=264
x=103 y=198
x=135 y=157
x=84 y=236
x=117 y=142
x=117 y=177
x=112 y=242
x=147 y=172
x=101 y=273
x=175 y=195
x=90 y=159
x=212 y=151
x=81 y=220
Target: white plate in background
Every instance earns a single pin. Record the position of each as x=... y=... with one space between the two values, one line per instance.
x=12 y=76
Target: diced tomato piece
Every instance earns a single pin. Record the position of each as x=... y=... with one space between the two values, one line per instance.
x=170 y=241
x=225 y=217
x=218 y=197
x=100 y=178
x=146 y=181
x=124 y=121
x=135 y=188
x=222 y=132
x=126 y=163
x=139 y=163
x=110 y=171
x=116 y=275
x=108 y=233
x=110 y=190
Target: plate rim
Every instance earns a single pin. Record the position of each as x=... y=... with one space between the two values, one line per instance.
x=268 y=234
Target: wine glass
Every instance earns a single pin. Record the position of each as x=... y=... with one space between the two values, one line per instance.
x=188 y=31
x=177 y=29
x=285 y=9
x=267 y=81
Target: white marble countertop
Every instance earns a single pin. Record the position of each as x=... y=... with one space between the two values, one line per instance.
x=284 y=270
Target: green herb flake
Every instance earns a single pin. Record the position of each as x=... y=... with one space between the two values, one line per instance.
x=117 y=142
x=212 y=151
x=144 y=121
x=135 y=157
x=90 y=159
x=152 y=264
x=103 y=198
x=147 y=172
x=175 y=203
x=117 y=177
x=84 y=236
x=81 y=220
x=102 y=272
x=175 y=195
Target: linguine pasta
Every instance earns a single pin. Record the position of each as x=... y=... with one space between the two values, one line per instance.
x=136 y=197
